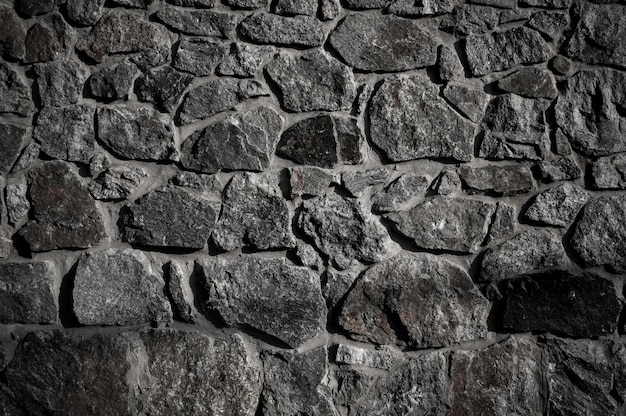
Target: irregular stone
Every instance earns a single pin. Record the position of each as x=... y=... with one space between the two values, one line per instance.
x=296 y=384
x=329 y=9
x=16 y=201
x=198 y=56
x=619 y=352
x=137 y=133
x=245 y=141
x=599 y=236
x=123 y=33
x=353 y=386
x=308 y=256
x=15 y=94
x=468 y=101
x=268 y=28
x=448 y=64
x=503 y=223
x=267 y=294
x=558 y=206
x=197 y=22
x=514 y=15
x=309 y=181
x=163 y=87
x=343 y=230
x=561 y=169
x=66 y=133
x=312 y=81
x=531 y=250
x=73 y=221
x=246 y=4
x=84 y=12
x=497 y=179
x=382 y=43
x=561 y=302
x=444 y=223
x=264 y=225
x=513 y=146
x=60 y=83
x=470 y=20
x=553 y=4
x=11 y=139
x=348 y=354
x=336 y=284
x=609 y=172
x=207 y=183
x=118 y=287
x=499 y=51
x=409 y=8
x=560 y=65
x=216 y=96
x=140 y=4
x=34 y=7
x=244 y=60
x=356 y=182
x=448 y=182
x=530 y=82
x=193 y=3
x=561 y=144
x=113 y=82
x=12 y=36
x=117 y=182
x=177 y=277
x=408 y=188
x=552 y=24
x=49 y=39
x=499 y=380
x=27 y=293
x=212 y=376
x=28 y=157
x=598 y=35
x=590 y=111
x=6 y=244
x=418 y=300
x=296 y=7
x=366 y=4
x=410 y=121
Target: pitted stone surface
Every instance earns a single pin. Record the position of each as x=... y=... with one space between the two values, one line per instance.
x=60 y=83
x=497 y=179
x=114 y=81
x=66 y=133
x=14 y=91
x=267 y=28
x=197 y=22
x=557 y=206
x=27 y=294
x=85 y=12
x=609 y=172
x=11 y=138
x=163 y=87
x=198 y=56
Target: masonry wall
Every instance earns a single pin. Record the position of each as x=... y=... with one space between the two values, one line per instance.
x=373 y=207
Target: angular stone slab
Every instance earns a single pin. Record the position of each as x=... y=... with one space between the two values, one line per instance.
x=557 y=206
x=409 y=8
x=309 y=181
x=27 y=293
x=561 y=302
x=17 y=203
x=550 y=23
x=269 y=28
x=11 y=139
x=497 y=179
x=197 y=22
x=163 y=87
x=349 y=354
x=50 y=38
x=267 y=294
x=409 y=187
x=468 y=101
x=198 y=56
x=60 y=83
x=117 y=182
x=12 y=35
x=531 y=82
x=114 y=81
x=470 y=20
x=356 y=182
x=410 y=121
x=14 y=91
x=182 y=298
x=383 y=43
x=560 y=169
x=169 y=217
x=609 y=172
x=118 y=287
x=244 y=60
x=84 y=12
x=504 y=222
x=415 y=299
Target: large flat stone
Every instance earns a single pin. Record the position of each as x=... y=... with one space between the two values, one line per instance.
x=268 y=28
x=497 y=179
x=198 y=56
x=27 y=293
x=197 y=22
x=66 y=133
x=557 y=206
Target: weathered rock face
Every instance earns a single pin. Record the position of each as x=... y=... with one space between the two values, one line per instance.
x=244 y=60
x=401 y=301
x=163 y=87
x=468 y=101
x=269 y=295
x=84 y=12
x=60 y=83
x=11 y=138
x=609 y=172
x=309 y=181
x=49 y=39
x=497 y=180
x=557 y=206
x=406 y=188
x=113 y=82
x=15 y=93
x=27 y=293
x=269 y=28
x=66 y=133
x=197 y=22
x=117 y=182
x=198 y=56
x=12 y=36
x=349 y=354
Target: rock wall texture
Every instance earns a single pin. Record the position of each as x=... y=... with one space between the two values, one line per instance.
x=312 y=207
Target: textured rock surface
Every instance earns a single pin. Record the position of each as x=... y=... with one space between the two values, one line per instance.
x=60 y=83
x=12 y=36
x=15 y=93
x=11 y=138
x=84 y=12
x=609 y=172
x=114 y=81
x=468 y=101
x=27 y=293
x=402 y=191
x=309 y=181
x=198 y=56
x=163 y=87
x=349 y=354
x=497 y=180
x=17 y=203
x=531 y=82
x=66 y=133
x=197 y=22
x=557 y=206
x=269 y=28
x=117 y=182
x=182 y=298
x=49 y=39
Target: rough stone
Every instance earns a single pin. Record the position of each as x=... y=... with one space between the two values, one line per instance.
x=409 y=188
x=448 y=64
x=468 y=101
x=561 y=144
x=356 y=182
x=212 y=376
x=560 y=169
x=27 y=293
x=66 y=133
x=244 y=60
x=198 y=56
x=312 y=81
x=296 y=384
x=246 y=4
x=444 y=223
x=410 y=121
x=366 y=4
x=84 y=12
x=245 y=141
x=336 y=284
x=28 y=157
x=15 y=94
x=11 y=139
x=385 y=43
x=308 y=256
x=329 y=9
x=553 y=4
x=599 y=236
x=353 y=386
x=267 y=28
x=139 y=4
x=503 y=223
x=552 y=24
x=265 y=224
x=32 y=8
x=216 y=96
x=447 y=183
x=499 y=51
x=514 y=15
x=113 y=82
x=343 y=230
x=207 y=183
x=497 y=179
x=409 y=8
x=417 y=299
x=309 y=181
x=16 y=201
x=49 y=39
x=560 y=65
x=197 y=22
x=163 y=87
x=169 y=217
x=6 y=244
x=609 y=172
x=470 y=20
x=558 y=206
x=530 y=250
x=117 y=182
x=502 y=379
x=177 y=277
x=296 y=7
x=12 y=36
x=137 y=133
x=193 y=3
x=118 y=287
x=349 y=354
x=267 y=294
x=73 y=221
x=530 y=82
x=579 y=306
x=60 y=83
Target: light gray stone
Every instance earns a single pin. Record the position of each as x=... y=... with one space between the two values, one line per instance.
x=553 y=4
x=27 y=292
x=28 y=157
x=558 y=206
x=84 y=12
x=163 y=87
x=329 y=9
x=60 y=83
x=469 y=102
x=13 y=34
x=308 y=256
x=560 y=65
x=530 y=82
x=447 y=183
x=296 y=7
x=448 y=63
x=244 y=60
x=207 y=183
x=409 y=8
x=356 y=182
x=6 y=244
x=349 y=354
x=609 y=172
x=197 y=22
x=497 y=179
x=15 y=94
x=309 y=181
x=246 y=4
x=193 y=3
x=50 y=38
x=117 y=182
x=198 y=56
x=560 y=169
x=177 y=277
x=66 y=133
x=16 y=201
x=407 y=189
x=470 y=20
x=503 y=223
x=11 y=139
x=114 y=81
x=268 y=28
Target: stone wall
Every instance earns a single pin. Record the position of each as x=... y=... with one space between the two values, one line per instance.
x=373 y=207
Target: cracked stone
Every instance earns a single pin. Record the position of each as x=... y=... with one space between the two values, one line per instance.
x=550 y=23
x=60 y=83
x=180 y=291
x=530 y=82
x=66 y=133
x=113 y=82
x=497 y=180
x=406 y=190
x=558 y=206
x=356 y=182
x=163 y=87
x=469 y=102
x=268 y=28
x=12 y=35
x=561 y=169
x=27 y=293
x=28 y=157
x=244 y=60
x=309 y=181
x=198 y=57
x=49 y=39
x=609 y=172
x=14 y=91
x=447 y=183
x=470 y=20
x=117 y=182
x=11 y=139
x=197 y=22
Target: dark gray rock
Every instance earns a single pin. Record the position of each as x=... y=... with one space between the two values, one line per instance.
x=312 y=81
x=409 y=8
x=409 y=188
x=619 y=351
x=558 y=206
x=553 y=4
x=561 y=144
x=12 y=35
x=216 y=96
x=66 y=133
x=469 y=102
x=499 y=380
x=137 y=133
x=609 y=172
x=497 y=179
x=589 y=111
x=27 y=293
x=169 y=217
x=114 y=81
x=118 y=287
x=530 y=82
x=578 y=306
x=513 y=146
x=244 y=60
x=599 y=236
x=34 y=7
x=6 y=244
x=531 y=250
x=308 y=256
x=265 y=224
x=444 y=223
x=410 y=121
x=514 y=15
x=343 y=230
x=269 y=28
x=14 y=91
x=198 y=56
x=246 y=4
x=28 y=157
x=560 y=65
x=560 y=169
x=296 y=7
x=60 y=83
x=366 y=4
x=336 y=284
x=296 y=384
x=353 y=385
x=418 y=300
x=448 y=64
x=498 y=51
x=197 y=22
x=70 y=221
x=309 y=181
x=84 y=12
x=267 y=294
x=552 y=24
x=11 y=139
x=98 y=164
x=503 y=223
x=181 y=295
x=17 y=203
x=470 y=20
x=447 y=183
x=245 y=141
x=163 y=87
x=382 y=43
x=117 y=182
x=207 y=183
x=49 y=39
x=351 y=355
x=356 y=182
x=139 y=4
x=214 y=376
x=193 y=3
